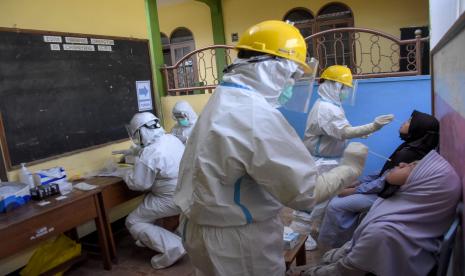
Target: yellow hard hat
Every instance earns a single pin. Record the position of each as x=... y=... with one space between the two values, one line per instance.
x=338 y=73
x=276 y=38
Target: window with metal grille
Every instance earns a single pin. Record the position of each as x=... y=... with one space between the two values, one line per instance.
x=180 y=43
x=330 y=49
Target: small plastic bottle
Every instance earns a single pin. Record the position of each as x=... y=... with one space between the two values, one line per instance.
x=25 y=176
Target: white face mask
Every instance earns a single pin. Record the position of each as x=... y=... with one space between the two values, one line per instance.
x=287 y=92
x=147 y=135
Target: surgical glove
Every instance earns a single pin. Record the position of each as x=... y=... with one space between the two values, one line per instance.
x=133 y=150
x=383 y=120
x=362 y=131
x=330 y=183
x=355 y=156
x=365 y=130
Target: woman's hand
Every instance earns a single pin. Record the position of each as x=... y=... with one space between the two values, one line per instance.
x=347 y=192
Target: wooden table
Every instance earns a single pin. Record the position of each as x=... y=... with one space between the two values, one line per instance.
x=113 y=192
x=297 y=253
x=31 y=224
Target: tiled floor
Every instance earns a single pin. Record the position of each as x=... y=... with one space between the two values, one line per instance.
x=134 y=260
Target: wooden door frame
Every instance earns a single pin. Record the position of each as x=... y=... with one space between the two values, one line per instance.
x=180 y=45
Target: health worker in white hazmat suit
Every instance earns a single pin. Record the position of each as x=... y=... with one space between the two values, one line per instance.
x=185 y=118
x=327 y=126
x=244 y=161
x=156 y=173
x=327 y=132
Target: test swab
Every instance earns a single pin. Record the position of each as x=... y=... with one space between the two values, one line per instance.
x=379 y=155
x=398 y=121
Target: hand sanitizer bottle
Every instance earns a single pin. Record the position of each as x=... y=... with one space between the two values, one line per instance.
x=25 y=176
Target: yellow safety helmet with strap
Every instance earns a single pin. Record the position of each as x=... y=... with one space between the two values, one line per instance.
x=338 y=73
x=276 y=38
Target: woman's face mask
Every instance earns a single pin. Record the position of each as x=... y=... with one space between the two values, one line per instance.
x=286 y=93
x=183 y=122
x=181 y=118
x=344 y=95
x=347 y=94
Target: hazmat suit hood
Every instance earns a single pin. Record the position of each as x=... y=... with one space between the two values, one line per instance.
x=149 y=136
x=185 y=107
x=267 y=76
x=329 y=91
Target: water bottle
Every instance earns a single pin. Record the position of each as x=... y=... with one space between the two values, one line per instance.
x=25 y=176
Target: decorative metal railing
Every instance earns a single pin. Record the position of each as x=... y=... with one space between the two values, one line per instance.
x=368 y=53
x=196 y=72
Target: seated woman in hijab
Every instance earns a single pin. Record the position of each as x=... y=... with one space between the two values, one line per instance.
x=421 y=135
x=401 y=234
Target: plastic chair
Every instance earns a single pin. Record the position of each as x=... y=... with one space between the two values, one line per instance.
x=447 y=245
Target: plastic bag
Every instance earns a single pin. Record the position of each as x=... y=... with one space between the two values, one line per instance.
x=51 y=254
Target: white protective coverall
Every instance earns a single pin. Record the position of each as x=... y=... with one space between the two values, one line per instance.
x=242 y=163
x=325 y=138
x=183 y=132
x=156 y=172
x=327 y=126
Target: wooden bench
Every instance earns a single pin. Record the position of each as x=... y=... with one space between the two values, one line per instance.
x=297 y=253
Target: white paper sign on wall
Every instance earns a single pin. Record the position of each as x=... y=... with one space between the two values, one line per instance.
x=144 y=95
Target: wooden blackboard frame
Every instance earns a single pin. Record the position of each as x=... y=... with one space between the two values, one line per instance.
x=3 y=174
x=5 y=160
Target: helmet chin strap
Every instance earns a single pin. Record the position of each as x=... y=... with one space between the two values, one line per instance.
x=241 y=62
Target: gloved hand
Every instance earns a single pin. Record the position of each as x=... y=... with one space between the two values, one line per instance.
x=329 y=183
x=355 y=156
x=133 y=150
x=383 y=120
x=363 y=131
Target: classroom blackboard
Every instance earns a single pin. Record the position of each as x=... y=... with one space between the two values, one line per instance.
x=60 y=93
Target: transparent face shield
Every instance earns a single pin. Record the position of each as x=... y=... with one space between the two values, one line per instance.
x=135 y=139
x=297 y=93
x=179 y=115
x=348 y=94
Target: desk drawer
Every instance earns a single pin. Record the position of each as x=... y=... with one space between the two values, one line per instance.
x=46 y=225
x=117 y=194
